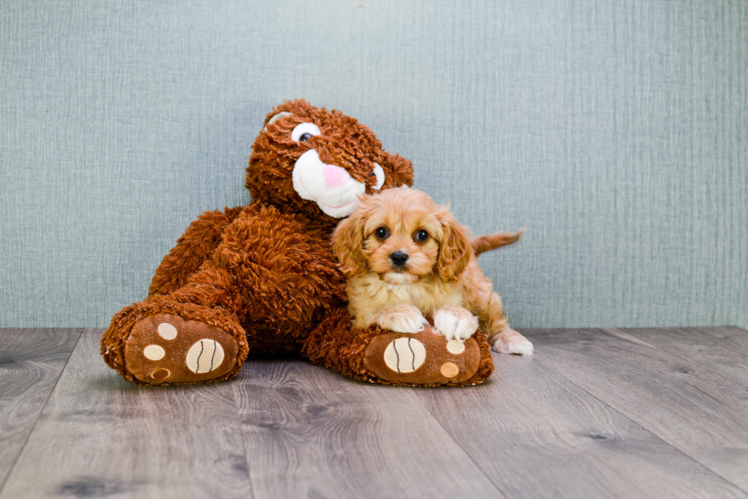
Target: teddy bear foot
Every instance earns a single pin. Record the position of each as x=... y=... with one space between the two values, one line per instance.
x=164 y=349
x=423 y=358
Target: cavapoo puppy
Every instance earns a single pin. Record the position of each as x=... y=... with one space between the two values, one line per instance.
x=407 y=257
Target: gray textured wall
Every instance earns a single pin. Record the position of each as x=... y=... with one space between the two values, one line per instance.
x=616 y=131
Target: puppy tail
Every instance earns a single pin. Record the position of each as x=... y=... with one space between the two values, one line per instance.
x=493 y=241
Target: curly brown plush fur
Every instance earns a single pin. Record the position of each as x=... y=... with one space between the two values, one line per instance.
x=261 y=277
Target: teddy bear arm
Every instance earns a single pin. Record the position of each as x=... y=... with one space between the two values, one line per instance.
x=280 y=267
x=193 y=248
x=269 y=268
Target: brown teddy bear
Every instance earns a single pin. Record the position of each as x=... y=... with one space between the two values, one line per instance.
x=263 y=278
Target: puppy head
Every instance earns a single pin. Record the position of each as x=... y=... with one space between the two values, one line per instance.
x=403 y=236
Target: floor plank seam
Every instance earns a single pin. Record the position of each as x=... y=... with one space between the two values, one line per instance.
x=235 y=384
x=642 y=426
x=675 y=355
x=476 y=463
x=41 y=411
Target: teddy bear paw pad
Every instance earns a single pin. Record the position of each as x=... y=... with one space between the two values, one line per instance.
x=455 y=346
x=423 y=358
x=204 y=355
x=166 y=349
x=404 y=355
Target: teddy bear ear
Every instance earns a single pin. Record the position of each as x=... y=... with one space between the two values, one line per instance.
x=277 y=116
x=399 y=170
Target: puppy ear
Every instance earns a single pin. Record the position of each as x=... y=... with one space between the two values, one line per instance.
x=348 y=243
x=455 y=251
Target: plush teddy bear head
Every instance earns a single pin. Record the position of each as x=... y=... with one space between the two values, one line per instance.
x=318 y=162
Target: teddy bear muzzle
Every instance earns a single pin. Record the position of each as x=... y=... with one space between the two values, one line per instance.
x=330 y=186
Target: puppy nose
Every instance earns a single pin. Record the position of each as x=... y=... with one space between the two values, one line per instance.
x=399 y=258
x=335 y=176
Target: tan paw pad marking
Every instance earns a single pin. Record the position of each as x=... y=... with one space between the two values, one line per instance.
x=455 y=346
x=154 y=352
x=205 y=356
x=450 y=370
x=167 y=331
x=404 y=355
x=160 y=374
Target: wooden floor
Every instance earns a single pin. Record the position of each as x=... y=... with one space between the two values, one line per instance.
x=595 y=413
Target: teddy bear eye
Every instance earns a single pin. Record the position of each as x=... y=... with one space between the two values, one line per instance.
x=304 y=131
x=421 y=235
x=378 y=172
x=382 y=233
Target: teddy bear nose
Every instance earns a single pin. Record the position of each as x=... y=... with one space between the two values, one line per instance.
x=335 y=176
x=399 y=258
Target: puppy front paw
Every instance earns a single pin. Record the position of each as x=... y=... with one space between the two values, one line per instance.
x=402 y=318
x=408 y=323
x=455 y=323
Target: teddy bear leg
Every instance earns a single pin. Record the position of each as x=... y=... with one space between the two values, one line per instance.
x=163 y=342
x=380 y=356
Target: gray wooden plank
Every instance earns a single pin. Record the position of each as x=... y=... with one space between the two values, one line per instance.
x=31 y=361
x=722 y=350
x=695 y=410
x=99 y=436
x=535 y=434
x=738 y=336
x=312 y=433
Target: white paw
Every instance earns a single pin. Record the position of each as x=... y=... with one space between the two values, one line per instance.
x=455 y=327
x=407 y=323
x=511 y=342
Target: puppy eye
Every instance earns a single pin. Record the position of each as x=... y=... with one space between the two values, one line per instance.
x=304 y=131
x=421 y=235
x=382 y=233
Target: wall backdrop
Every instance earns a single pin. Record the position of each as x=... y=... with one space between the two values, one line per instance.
x=615 y=131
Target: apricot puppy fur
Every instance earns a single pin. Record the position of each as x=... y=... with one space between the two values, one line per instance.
x=407 y=257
